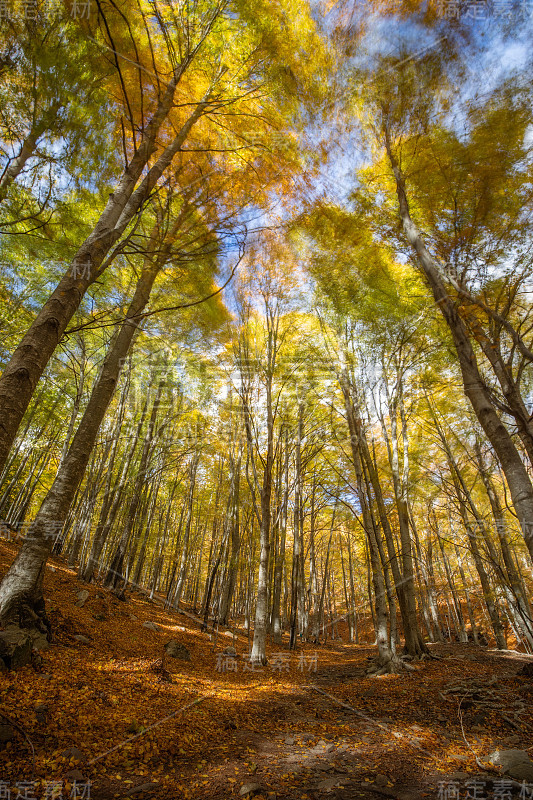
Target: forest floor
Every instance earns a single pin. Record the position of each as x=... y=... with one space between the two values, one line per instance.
x=276 y=732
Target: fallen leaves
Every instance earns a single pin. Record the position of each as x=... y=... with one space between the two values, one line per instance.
x=264 y=727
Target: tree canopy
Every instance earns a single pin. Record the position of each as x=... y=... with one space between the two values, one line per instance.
x=266 y=326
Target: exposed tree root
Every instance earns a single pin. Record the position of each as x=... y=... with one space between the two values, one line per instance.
x=29 y=614
x=421 y=656
x=394 y=665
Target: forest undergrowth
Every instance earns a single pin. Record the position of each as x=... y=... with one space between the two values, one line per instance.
x=108 y=713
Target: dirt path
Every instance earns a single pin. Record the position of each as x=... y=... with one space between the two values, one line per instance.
x=401 y=740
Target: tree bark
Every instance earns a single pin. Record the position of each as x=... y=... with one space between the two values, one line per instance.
x=21 y=586
x=30 y=358
x=183 y=567
x=475 y=389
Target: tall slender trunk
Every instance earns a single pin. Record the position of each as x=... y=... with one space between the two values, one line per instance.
x=147 y=532
x=160 y=558
x=263 y=482
x=403 y=582
x=486 y=586
x=296 y=574
x=432 y=586
x=21 y=586
x=30 y=358
x=461 y=629
x=345 y=587
x=414 y=643
x=355 y=625
x=276 y=622
x=261 y=609
x=464 y=498
x=518 y=601
x=117 y=574
x=183 y=567
x=475 y=388
x=429 y=606
x=320 y=617
x=234 y=540
x=86 y=568
x=469 y=606
x=386 y=656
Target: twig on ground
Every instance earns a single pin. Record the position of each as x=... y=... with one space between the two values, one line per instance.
x=479 y=763
x=21 y=730
x=512 y=723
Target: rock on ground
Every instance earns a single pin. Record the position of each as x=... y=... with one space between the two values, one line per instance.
x=15 y=647
x=73 y=753
x=515 y=763
x=152 y=626
x=331 y=783
x=83 y=596
x=74 y=775
x=249 y=789
x=82 y=639
x=144 y=787
x=175 y=649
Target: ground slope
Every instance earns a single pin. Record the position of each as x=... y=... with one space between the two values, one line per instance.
x=105 y=708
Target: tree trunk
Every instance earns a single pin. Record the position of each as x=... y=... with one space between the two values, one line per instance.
x=30 y=358
x=21 y=586
x=296 y=573
x=276 y=623
x=475 y=388
x=386 y=659
x=235 y=542
x=183 y=568
x=403 y=584
x=519 y=600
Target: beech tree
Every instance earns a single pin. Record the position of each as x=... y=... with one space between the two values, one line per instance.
x=278 y=388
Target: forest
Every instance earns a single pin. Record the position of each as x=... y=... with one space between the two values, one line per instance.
x=266 y=399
